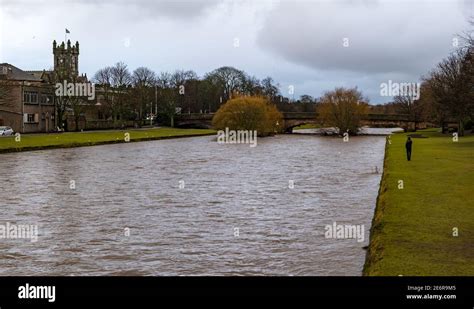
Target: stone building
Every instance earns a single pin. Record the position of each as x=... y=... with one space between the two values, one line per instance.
x=27 y=98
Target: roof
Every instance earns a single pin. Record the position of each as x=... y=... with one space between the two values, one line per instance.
x=14 y=73
x=39 y=74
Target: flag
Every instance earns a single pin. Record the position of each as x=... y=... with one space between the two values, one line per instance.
x=67 y=31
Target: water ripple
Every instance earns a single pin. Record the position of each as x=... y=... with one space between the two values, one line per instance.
x=235 y=215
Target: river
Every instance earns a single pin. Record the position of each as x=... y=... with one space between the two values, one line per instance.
x=191 y=207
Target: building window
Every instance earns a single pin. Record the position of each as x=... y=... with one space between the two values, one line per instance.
x=46 y=99
x=31 y=118
x=30 y=97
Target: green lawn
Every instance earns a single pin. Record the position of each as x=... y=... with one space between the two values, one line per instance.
x=412 y=231
x=307 y=126
x=77 y=139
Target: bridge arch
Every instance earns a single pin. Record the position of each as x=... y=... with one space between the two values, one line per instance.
x=290 y=124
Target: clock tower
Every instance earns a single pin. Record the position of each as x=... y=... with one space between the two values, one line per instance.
x=66 y=57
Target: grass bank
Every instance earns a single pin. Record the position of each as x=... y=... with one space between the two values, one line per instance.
x=307 y=126
x=413 y=228
x=91 y=138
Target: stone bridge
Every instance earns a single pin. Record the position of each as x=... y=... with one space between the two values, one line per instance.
x=295 y=119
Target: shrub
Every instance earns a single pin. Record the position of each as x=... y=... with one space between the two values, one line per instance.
x=249 y=113
x=342 y=108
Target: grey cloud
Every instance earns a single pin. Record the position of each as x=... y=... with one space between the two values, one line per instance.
x=467 y=7
x=149 y=8
x=175 y=9
x=383 y=36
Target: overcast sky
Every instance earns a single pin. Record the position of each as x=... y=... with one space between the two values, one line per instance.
x=298 y=43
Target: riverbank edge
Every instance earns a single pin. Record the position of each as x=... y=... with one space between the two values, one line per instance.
x=336 y=135
x=375 y=249
x=88 y=144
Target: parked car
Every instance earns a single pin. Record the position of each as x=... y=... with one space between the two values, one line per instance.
x=4 y=131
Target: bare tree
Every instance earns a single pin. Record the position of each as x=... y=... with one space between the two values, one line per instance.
x=184 y=84
x=121 y=81
x=180 y=77
x=120 y=75
x=451 y=84
x=103 y=80
x=167 y=95
x=342 y=108
x=406 y=104
x=144 y=81
x=306 y=99
x=164 y=80
x=270 y=89
x=251 y=86
x=229 y=78
x=209 y=95
x=62 y=102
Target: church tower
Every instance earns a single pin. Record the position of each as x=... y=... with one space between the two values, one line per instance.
x=66 y=57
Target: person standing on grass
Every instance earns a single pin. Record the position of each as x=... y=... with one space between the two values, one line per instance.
x=408 y=148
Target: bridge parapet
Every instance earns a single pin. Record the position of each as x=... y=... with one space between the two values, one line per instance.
x=308 y=115
x=293 y=119
x=379 y=117
x=299 y=115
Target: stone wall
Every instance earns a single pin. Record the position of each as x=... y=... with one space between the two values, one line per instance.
x=97 y=124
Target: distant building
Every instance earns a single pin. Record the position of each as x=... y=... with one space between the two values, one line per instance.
x=66 y=58
x=27 y=100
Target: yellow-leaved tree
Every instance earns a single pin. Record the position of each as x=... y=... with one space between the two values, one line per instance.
x=342 y=108
x=249 y=113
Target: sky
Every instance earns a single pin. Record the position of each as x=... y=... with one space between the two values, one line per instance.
x=308 y=46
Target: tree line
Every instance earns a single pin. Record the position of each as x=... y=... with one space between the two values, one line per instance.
x=141 y=95
x=446 y=92
x=135 y=95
